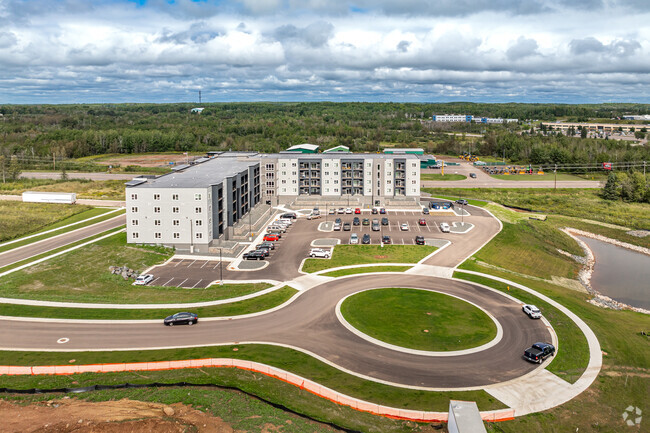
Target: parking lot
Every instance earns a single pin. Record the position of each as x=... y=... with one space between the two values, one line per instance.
x=189 y=274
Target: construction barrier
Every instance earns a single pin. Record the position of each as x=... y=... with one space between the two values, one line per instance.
x=285 y=376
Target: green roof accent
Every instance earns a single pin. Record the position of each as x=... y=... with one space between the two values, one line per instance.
x=339 y=148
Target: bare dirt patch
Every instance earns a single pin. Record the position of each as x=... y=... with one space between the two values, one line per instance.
x=71 y=415
x=146 y=160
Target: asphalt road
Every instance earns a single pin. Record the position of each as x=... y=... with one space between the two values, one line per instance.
x=310 y=323
x=36 y=248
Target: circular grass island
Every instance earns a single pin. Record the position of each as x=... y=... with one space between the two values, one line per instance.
x=418 y=319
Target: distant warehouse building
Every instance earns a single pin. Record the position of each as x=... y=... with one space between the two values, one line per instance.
x=452 y=117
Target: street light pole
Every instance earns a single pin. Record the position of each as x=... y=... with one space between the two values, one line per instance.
x=220 y=268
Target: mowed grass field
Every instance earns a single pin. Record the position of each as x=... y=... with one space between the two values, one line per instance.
x=418 y=319
x=86 y=189
x=437 y=176
x=345 y=255
x=578 y=203
x=20 y=219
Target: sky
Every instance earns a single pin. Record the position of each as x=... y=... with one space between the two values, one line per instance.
x=113 y=51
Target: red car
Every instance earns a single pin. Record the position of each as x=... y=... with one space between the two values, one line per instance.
x=422 y=222
x=357 y=210
x=271 y=238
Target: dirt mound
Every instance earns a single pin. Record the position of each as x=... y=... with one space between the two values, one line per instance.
x=76 y=416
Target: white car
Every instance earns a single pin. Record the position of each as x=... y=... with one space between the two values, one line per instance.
x=337 y=227
x=354 y=238
x=313 y=216
x=319 y=253
x=348 y=210
x=404 y=227
x=532 y=311
x=332 y=211
x=143 y=280
x=444 y=227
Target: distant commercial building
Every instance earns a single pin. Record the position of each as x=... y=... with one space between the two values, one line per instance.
x=452 y=117
x=304 y=148
x=594 y=127
x=497 y=120
x=411 y=150
x=628 y=117
x=339 y=148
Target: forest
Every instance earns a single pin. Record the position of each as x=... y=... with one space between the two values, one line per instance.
x=39 y=132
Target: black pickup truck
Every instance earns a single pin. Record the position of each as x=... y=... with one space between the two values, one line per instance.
x=254 y=255
x=538 y=352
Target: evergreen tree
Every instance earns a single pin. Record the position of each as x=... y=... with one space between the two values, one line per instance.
x=610 y=190
x=14 y=169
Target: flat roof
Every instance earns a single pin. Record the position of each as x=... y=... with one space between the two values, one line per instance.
x=202 y=175
x=340 y=155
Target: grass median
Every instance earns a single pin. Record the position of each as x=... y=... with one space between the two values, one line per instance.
x=439 y=176
x=247 y=306
x=345 y=255
x=418 y=319
x=366 y=270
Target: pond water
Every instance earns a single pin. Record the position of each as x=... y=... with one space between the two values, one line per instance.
x=621 y=274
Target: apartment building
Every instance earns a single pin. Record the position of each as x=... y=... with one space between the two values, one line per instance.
x=193 y=206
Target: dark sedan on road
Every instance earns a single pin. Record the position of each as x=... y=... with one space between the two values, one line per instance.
x=366 y=239
x=384 y=221
x=386 y=239
x=181 y=319
x=419 y=240
x=356 y=221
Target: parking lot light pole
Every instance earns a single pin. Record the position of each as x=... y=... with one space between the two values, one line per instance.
x=220 y=268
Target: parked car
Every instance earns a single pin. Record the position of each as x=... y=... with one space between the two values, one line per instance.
x=356 y=221
x=425 y=210
x=338 y=221
x=382 y=211
x=354 y=238
x=337 y=227
x=275 y=231
x=419 y=240
x=313 y=216
x=386 y=239
x=181 y=319
x=357 y=211
x=315 y=211
x=289 y=215
x=375 y=211
x=265 y=251
x=404 y=227
x=375 y=225
x=347 y=227
x=532 y=311
x=341 y=210
x=143 y=280
x=422 y=222
x=319 y=253
x=271 y=238
x=254 y=255
x=365 y=239
x=348 y=210
x=472 y=175
x=538 y=352
x=462 y=201
x=444 y=227
x=269 y=245
x=366 y=222
x=332 y=211
x=384 y=221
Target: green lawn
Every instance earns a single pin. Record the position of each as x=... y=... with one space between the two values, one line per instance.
x=579 y=203
x=437 y=176
x=84 y=188
x=102 y=214
x=247 y=306
x=418 y=319
x=20 y=219
x=344 y=255
x=366 y=270
x=545 y=176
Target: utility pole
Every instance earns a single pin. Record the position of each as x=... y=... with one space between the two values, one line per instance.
x=555 y=171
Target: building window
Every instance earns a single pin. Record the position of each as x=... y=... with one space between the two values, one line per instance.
x=388 y=181
x=198 y=223
x=270 y=167
x=156 y=196
x=157 y=235
x=413 y=181
x=270 y=176
x=270 y=184
x=134 y=222
x=174 y=196
x=284 y=173
x=284 y=164
x=134 y=209
x=156 y=222
x=135 y=235
x=327 y=164
x=177 y=235
x=199 y=235
x=198 y=197
x=336 y=190
x=293 y=164
x=174 y=210
x=284 y=181
x=197 y=210
x=156 y=210
x=176 y=222
x=134 y=196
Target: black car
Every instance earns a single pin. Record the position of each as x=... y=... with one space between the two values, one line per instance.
x=337 y=221
x=386 y=239
x=356 y=221
x=374 y=211
x=265 y=251
x=472 y=175
x=462 y=201
x=290 y=215
x=538 y=352
x=419 y=240
x=181 y=319
x=425 y=210
x=366 y=222
x=366 y=239
x=384 y=221
x=268 y=245
x=254 y=255
x=346 y=227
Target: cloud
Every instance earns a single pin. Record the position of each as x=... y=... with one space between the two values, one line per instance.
x=524 y=47
x=7 y=39
x=618 y=48
x=315 y=34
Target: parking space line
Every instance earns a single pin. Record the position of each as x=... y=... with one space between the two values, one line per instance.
x=154 y=280
x=427 y=226
x=206 y=262
x=165 y=285
x=196 y=283
x=179 y=262
x=182 y=282
x=215 y=266
x=190 y=265
x=402 y=241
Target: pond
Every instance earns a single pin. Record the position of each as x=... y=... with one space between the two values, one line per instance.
x=621 y=274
